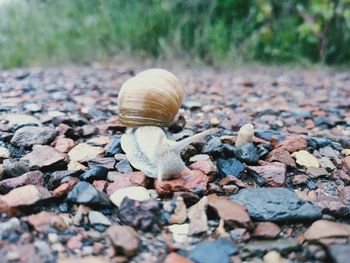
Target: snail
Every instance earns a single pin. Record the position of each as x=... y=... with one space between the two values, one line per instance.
x=149 y=102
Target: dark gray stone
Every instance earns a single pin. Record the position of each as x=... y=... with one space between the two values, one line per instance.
x=247 y=153
x=95 y=173
x=213 y=146
x=230 y=166
x=15 y=168
x=84 y=193
x=275 y=204
x=340 y=253
x=123 y=166
x=31 y=135
x=219 y=250
x=283 y=246
x=114 y=147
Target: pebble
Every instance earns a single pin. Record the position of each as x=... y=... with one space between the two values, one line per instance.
x=23 y=196
x=4 y=153
x=124 y=239
x=266 y=230
x=97 y=218
x=108 y=162
x=326 y=229
x=33 y=178
x=180 y=232
x=85 y=193
x=13 y=168
x=327 y=163
x=16 y=121
x=274 y=257
x=276 y=205
x=284 y=246
x=114 y=147
x=176 y=258
x=230 y=166
x=45 y=157
x=305 y=159
x=138 y=193
x=200 y=157
x=196 y=183
x=84 y=152
x=206 y=166
x=292 y=144
x=63 y=145
x=314 y=172
x=274 y=174
x=267 y=134
x=31 y=135
x=125 y=180
x=7 y=227
x=282 y=156
x=198 y=217
x=231 y=212
x=141 y=215
x=64 y=188
x=123 y=166
x=176 y=210
x=41 y=221
x=213 y=146
x=247 y=153
x=219 y=250
x=95 y=173
x=339 y=253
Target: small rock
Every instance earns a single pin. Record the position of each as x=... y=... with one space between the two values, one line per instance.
x=299 y=179
x=7 y=227
x=44 y=157
x=95 y=173
x=198 y=217
x=176 y=209
x=41 y=221
x=85 y=193
x=4 y=153
x=16 y=121
x=126 y=180
x=230 y=166
x=267 y=135
x=284 y=246
x=274 y=257
x=206 y=166
x=15 y=168
x=213 y=146
x=31 y=135
x=74 y=243
x=314 y=172
x=195 y=182
x=176 y=258
x=124 y=239
x=108 y=162
x=114 y=147
x=97 y=218
x=64 y=188
x=84 y=152
x=23 y=196
x=200 y=157
x=179 y=232
x=305 y=159
x=64 y=145
x=76 y=166
x=266 y=230
x=247 y=153
x=219 y=250
x=33 y=178
x=139 y=214
x=339 y=253
x=326 y=163
x=274 y=173
x=124 y=166
x=231 y=212
x=292 y=144
x=59 y=223
x=325 y=229
x=57 y=177
x=245 y=135
x=282 y=156
x=138 y=193
x=329 y=152
x=275 y=204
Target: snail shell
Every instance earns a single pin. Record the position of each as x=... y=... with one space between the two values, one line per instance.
x=151 y=98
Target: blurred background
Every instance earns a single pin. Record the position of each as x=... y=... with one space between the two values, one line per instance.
x=215 y=32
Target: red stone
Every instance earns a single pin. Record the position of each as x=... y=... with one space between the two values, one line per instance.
x=230 y=179
x=29 y=178
x=266 y=230
x=195 y=182
x=176 y=258
x=282 y=156
x=274 y=173
x=231 y=212
x=292 y=144
x=40 y=221
x=64 y=188
x=205 y=166
x=131 y=179
x=100 y=185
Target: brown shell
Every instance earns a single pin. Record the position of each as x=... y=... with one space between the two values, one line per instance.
x=151 y=98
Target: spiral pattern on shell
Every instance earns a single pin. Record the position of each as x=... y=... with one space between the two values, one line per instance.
x=151 y=98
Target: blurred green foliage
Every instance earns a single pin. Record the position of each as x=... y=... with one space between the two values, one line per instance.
x=213 y=31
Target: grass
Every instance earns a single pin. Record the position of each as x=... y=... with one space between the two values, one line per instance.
x=216 y=32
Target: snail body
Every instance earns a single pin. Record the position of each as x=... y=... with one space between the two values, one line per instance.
x=147 y=103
